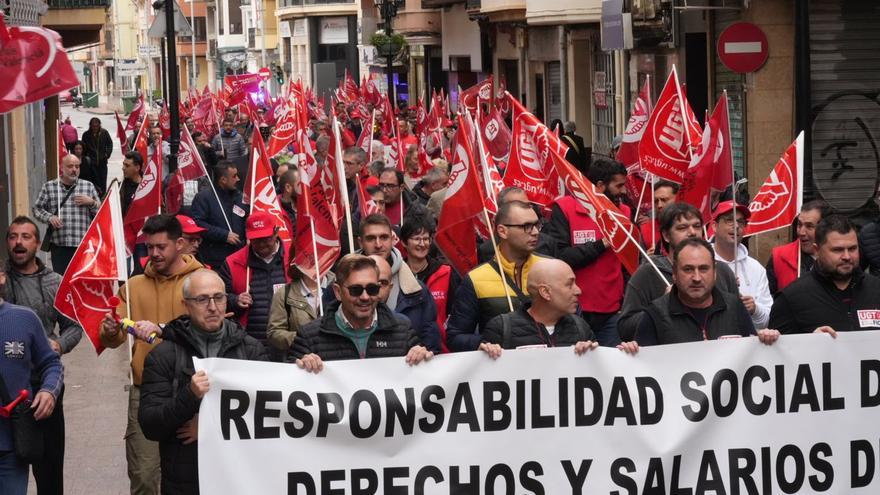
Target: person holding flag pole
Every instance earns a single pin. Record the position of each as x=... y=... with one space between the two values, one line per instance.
x=150 y=300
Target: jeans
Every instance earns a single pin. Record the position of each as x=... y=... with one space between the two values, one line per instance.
x=13 y=474
x=604 y=325
x=49 y=471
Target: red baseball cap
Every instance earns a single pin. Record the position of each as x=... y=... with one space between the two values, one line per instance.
x=727 y=206
x=260 y=225
x=189 y=225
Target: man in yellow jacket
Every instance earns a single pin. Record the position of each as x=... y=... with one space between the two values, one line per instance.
x=156 y=296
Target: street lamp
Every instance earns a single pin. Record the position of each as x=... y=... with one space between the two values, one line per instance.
x=388 y=10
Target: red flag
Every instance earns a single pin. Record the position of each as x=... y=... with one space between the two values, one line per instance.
x=490 y=179
x=780 y=198
x=664 y=149
x=421 y=118
x=89 y=283
x=147 y=200
x=261 y=190
x=35 y=65
x=697 y=186
x=284 y=131
x=529 y=166
x=120 y=134
x=236 y=87
x=165 y=122
x=462 y=207
x=141 y=141
x=189 y=167
x=136 y=112
x=628 y=154
x=365 y=140
x=723 y=176
x=483 y=90
x=603 y=211
x=496 y=135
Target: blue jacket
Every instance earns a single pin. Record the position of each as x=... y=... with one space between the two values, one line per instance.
x=25 y=351
x=208 y=214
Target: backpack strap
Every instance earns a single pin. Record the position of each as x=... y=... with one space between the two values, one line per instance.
x=505 y=331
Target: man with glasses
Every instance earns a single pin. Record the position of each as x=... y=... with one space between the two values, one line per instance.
x=357 y=326
x=407 y=295
x=400 y=202
x=353 y=159
x=172 y=390
x=192 y=237
x=751 y=276
x=253 y=274
x=156 y=299
x=581 y=243
x=498 y=286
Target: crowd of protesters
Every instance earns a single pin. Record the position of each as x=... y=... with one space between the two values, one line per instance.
x=216 y=281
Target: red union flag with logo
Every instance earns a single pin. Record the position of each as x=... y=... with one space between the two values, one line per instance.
x=463 y=206
x=628 y=154
x=616 y=226
x=261 y=190
x=664 y=149
x=284 y=130
x=34 y=65
x=778 y=202
x=483 y=90
x=147 y=202
x=90 y=281
x=529 y=166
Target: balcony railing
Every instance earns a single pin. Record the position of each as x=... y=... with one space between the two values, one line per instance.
x=78 y=4
x=307 y=3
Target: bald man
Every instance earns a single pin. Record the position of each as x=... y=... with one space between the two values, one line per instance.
x=386 y=280
x=550 y=319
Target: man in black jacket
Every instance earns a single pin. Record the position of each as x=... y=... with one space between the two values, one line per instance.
x=224 y=220
x=549 y=321
x=171 y=391
x=836 y=296
x=358 y=326
x=694 y=309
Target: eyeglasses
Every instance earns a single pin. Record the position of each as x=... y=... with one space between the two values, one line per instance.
x=421 y=239
x=205 y=301
x=357 y=290
x=527 y=227
x=739 y=221
x=388 y=186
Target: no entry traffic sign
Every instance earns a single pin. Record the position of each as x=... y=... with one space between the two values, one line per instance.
x=742 y=47
x=265 y=72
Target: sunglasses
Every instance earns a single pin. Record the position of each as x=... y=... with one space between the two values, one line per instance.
x=357 y=290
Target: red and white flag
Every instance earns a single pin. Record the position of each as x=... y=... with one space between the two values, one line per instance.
x=135 y=114
x=482 y=91
x=165 y=122
x=697 y=186
x=628 y=154
x=529 y=166
x=664 y=149
x=189 y=167
x=121 y=135
x=495 y=134
x=147 y=200
x=91 y=279
x=284 y=130
x=616 y=227
x=462 y=207
x=779 y=200
x=261 y=190
x=723 y=175
x=141 y=141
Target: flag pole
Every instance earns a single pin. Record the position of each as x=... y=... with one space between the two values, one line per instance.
x=498 y=259
x=641 y=249
x=653 y=216
x=641 y=197
x=317 y=267
x=343 y=187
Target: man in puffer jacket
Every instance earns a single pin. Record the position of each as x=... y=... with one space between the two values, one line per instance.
x=171 y=391
x=358 y=326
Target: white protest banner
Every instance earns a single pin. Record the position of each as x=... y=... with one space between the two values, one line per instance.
x=723 y=417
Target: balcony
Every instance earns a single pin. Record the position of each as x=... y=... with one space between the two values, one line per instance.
x=540 y=12
x=300 y=8
x=79 y=22
x=437 y=4
x=503 y=10
x=306 y=3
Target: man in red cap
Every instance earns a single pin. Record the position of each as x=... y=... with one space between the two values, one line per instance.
x=730 y=221
x=192 y=237
x=253 y=274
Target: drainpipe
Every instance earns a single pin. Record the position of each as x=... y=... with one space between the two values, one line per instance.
x=563 y=72
x=802 y=91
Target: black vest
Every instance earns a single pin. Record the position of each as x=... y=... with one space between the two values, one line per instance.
x=675 y=325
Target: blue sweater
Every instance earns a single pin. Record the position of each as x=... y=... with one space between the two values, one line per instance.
x=23 y=348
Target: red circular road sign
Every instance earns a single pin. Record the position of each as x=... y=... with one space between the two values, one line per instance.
x=742 y=47
x=265 y=73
